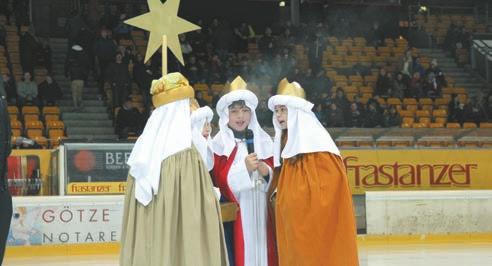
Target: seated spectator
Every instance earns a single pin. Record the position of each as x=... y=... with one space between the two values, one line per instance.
x=417 y=67
x=341 y=100
x=415 y=90
x=49 y=91
x=360 y=105
x=407 y=64
x=383 y=84
x=128 y=120
x=199 y=98
x=335 y=116
x=431 y=87
x=22 y=143
x=355 y=116
x=242 y=34
x=454 y=108
x=434 y=68
x=27 y=91
x=10 y=88
x=391 y=118
x=399 y=87
x=185 y=46
x=488 y=108
x=321 y=84
x=122 y=30
x=320 y=113
x=215 y=98
x=473 y=111
x=266 y=44
x=372 y=117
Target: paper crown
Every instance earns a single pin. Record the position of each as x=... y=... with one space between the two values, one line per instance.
x=237 y=84
x=170 y=88
x=291 y=89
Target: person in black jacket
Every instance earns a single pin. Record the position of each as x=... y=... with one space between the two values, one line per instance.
x=5 y=199
x=118 y=76
x=49 y=91
x=128 y=120
x=77 y=68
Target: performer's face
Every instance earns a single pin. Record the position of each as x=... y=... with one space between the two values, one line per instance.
x=239 y=117
x=206 y=130
x=281 y=115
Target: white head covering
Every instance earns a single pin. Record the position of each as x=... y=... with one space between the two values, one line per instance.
x=306 y=134
x=224 y=142
x=167 y=132
x=198 y=119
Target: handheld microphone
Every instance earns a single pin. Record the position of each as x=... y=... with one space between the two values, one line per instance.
x=250 y=141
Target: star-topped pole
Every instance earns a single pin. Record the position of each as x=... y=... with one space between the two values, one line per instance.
x=164 y=25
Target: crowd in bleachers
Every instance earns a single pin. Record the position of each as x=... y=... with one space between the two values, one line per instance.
x=364 y=77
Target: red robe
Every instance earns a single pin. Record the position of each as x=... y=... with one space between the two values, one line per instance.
x=221 y=169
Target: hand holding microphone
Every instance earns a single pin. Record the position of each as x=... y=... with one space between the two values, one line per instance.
x=252 y=161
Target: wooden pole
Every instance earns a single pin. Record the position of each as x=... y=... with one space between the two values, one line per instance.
x=164 y=55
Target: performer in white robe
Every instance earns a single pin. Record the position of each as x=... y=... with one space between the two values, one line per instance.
x=243 y=178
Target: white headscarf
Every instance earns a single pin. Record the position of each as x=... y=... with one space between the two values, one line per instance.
x=306 y=134
x=224 y=142
x=167 y=132
x=198 y=119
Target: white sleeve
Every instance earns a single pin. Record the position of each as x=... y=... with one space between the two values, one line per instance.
x=238 y=178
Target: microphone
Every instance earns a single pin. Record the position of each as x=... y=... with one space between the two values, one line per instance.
x=250 y=141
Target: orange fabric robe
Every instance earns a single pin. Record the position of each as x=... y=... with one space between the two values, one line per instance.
x=315 y=221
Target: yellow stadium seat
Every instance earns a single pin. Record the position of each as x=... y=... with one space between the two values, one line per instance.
x=15 y=124
x=453 y=125
x=469 y=125
x=31 y=117
x=485 y=125
x=13 y=110
x=423 y=113
x=409 y=101
x=436 y=125
x=30 y=110
x=425 y=120
x=51 y=110
x=420 y=125
x=35 y=124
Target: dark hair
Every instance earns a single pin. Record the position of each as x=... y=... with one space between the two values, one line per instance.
x=239 y=103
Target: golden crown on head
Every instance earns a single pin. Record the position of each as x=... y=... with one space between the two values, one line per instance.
x=290 y=89
x=237 y=84
x=170 y=88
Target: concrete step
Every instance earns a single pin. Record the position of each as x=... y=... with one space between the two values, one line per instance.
x=469 y=85
x=95 y=123
x=87 y=103
x=90 y=131
x=86 y=109
x=93 y=137
x=84 y=116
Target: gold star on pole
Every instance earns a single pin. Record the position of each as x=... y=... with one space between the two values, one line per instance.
x=162 y=21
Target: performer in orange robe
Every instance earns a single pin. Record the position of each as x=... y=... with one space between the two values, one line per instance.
x=315 y=222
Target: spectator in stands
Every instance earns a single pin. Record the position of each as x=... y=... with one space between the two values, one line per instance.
x=316 y=47
x=105 y=51
x=383 y=84
x=10 y=88
x=431 y=87
x=216 y=70
x=341 y=100
x=372 y=117
x=122 y=30
x=21 y=12
x=321 y=83
x=391 y=118
x=488 y=108
x=335 y=116
x=415 y=90
x=473 y=111
x=455 y=109
x=360 y=106
x=45 y=54
x=192 y=70
x=27 y=49
x=320 y=113
x=223 y=38
x=128 y=120
x=49 y=91
x=399 y=87
x=434 y=68
x=417 y=67
x=186 y=48
x=406 y=64
x=266 y=44
x=264 y=114
x=287 y=40
x=199 y=98
x=27 y=91
x=242 y=34
x=77 y=68
x=355 y=116
x=307 y=81
x=375 y=36
x=5 y=10
x=118 y=76
x=143 y=76
x=215 y=98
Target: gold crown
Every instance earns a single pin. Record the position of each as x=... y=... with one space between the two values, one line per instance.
x=291 y=89
x=170 y=88
x=237 y=84
x=194 y=105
